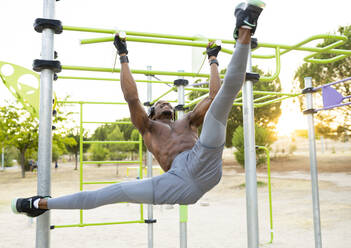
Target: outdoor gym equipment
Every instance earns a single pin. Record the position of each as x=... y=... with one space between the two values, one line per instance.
x=48 y=67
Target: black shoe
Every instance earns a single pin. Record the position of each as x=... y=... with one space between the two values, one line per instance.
x=25 y=206
x=247 y=15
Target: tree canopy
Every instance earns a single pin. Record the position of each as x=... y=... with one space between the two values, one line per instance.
x=334 y=123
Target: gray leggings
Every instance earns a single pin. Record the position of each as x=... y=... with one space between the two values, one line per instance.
x=179 y=185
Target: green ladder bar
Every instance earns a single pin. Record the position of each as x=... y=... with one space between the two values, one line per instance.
x=82 y=162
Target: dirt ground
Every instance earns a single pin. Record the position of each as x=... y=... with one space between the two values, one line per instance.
x=217 y=220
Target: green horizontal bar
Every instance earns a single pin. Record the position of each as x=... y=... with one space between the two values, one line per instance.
x=262 y=98
x=256 y=92
x=114 y=79
x=298 y=46
x=153 y=41
x=111 y=142
x=271 y=101
x=107 y=122
x=111 y=182
x=101 y=224
x=195 y=101
x=164 y=94
x=266 y=45
x=83 y=102
x=145 y=72
x=144 y=34
x=198 y=89
x=110 y=162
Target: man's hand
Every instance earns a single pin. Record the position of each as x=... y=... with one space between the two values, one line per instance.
x=120 y=44
x=212 y=49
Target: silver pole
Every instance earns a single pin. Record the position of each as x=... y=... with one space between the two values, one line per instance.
x=3 y=158
x=182 y=223
x=150 y=230
x=250 y=161
x=45 y=125
x=313 y=166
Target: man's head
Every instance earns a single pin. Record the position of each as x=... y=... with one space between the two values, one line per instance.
x=162 y=110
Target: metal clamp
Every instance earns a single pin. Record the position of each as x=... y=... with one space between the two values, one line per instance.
x=308 y=90
x=41 y=23
x=309 y=111
x=150 y=221
x=253 y=77
x=181 y=82
x=41 y=64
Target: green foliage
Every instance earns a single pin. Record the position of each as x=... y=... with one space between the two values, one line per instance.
x=98 y=152
x=74 y=147
x=263 y=137
x=19 y=129
x=10 y=154
x=336 y=123
x=114 y=132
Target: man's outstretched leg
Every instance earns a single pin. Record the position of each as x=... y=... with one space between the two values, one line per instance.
x=217 y=115
x=139 y=191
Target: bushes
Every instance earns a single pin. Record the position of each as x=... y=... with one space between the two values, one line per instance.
x=263 y=137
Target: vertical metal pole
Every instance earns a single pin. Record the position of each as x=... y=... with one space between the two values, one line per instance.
x=150 y=230
x=81 y=134
x=250 y=162
x=183 y=209
x=45 y=126
x=313 y=165
x=3 y=158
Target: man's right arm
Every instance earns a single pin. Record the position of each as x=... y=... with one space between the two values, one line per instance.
x=137 y=112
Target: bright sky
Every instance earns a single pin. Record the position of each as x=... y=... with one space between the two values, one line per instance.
x=281 y=22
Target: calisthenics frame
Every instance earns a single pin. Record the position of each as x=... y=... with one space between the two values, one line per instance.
x=45 y=119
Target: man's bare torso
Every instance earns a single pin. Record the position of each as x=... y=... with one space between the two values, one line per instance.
x=166 y=139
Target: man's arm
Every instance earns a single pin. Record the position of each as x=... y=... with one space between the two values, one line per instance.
x=197 y=116
x=137 y=112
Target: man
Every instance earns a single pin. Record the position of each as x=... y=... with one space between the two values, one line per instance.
x=193 y=165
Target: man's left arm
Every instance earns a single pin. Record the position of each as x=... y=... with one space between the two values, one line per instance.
x=197 y=116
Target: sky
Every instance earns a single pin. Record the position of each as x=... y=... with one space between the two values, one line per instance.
x=283 y=22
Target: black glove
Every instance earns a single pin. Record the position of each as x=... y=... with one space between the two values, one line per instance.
x=212 y=50
x=120 y=44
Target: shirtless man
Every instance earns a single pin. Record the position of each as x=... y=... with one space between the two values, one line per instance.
x=193 y=165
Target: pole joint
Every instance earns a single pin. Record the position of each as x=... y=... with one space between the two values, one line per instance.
x=42 y=23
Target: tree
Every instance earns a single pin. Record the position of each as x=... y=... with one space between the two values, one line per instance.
x=263 y=137
x=8 y=126
x=74 y=147
x=336 y=123
x=25 y=135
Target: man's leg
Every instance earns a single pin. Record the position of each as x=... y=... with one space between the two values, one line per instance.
x=139 y=191
x=217 y=115
x=214 y=127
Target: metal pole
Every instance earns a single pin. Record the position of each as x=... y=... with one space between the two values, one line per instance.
x=45 y=126
x=313 y=166
x=250 y=161
x=183 y=209
x=3 y=158
x=150 y=230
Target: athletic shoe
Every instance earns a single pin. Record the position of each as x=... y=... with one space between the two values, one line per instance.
x=246 y=15
x=25 y=206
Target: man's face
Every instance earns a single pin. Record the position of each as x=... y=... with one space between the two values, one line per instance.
x=163 y=110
